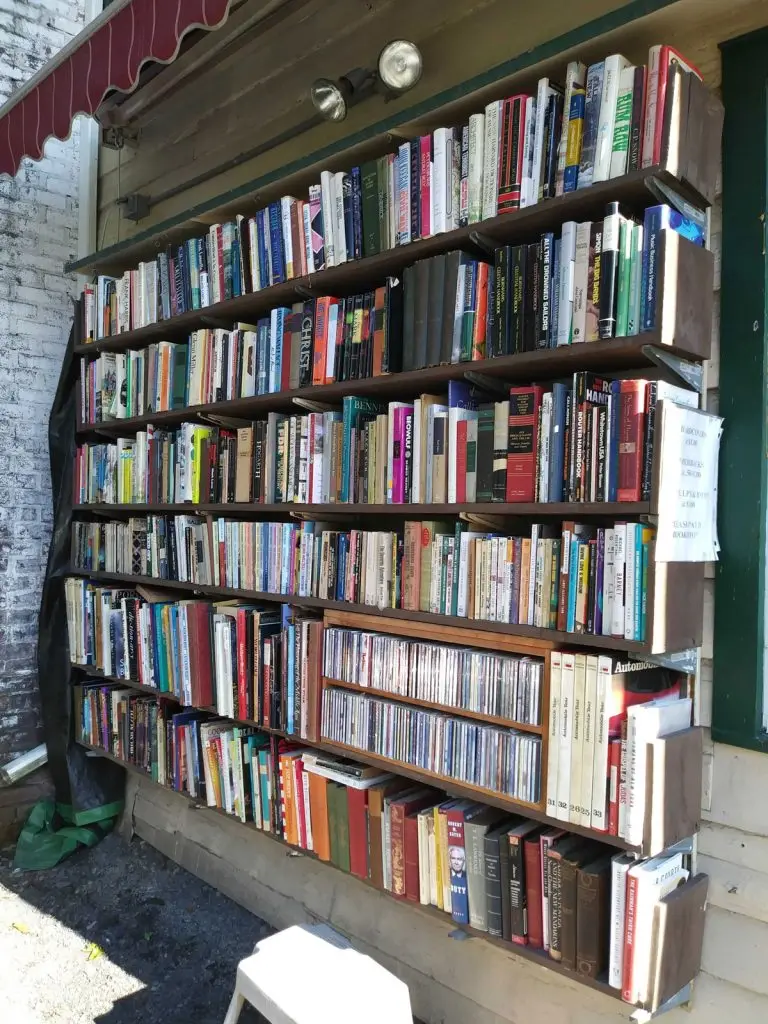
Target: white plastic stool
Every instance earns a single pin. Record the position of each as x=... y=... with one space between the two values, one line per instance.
x=312 y=975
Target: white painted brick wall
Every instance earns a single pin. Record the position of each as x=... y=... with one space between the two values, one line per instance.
x=38 y=233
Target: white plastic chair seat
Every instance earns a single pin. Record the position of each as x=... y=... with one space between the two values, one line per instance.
x=312 y=975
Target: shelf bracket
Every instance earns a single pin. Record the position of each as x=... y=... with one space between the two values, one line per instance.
x=680 y=999
x=216 y=323
x=675 y=369
x=486 y=383
x=304 y=292
x=679 y=661
x=483 y=242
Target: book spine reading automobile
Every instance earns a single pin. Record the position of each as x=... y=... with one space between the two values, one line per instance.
x=589 y=915
x=520 y=151
x=555 y=576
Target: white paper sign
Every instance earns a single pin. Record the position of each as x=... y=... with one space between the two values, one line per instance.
x=687 y=527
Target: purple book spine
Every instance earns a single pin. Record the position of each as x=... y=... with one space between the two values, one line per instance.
x=398 y=456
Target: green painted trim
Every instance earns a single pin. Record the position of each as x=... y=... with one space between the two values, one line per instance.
x=623 y=15
x=737 y=699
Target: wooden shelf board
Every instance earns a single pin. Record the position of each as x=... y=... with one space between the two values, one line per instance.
x=610 y=354
x=205 y=590
x=526 y=952
x=567 y=510
x=447 y=709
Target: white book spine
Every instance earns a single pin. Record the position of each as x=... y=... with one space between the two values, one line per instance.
x=577 y=738
x=454 y=179
x=580 y=282
x=614 y=65
x=532 y=573
x=491 y=160
x=306 y=220
x=285 y=219
x=629 y=580
x=339 y=227
x=553 y=752
x=564 y=756
x=546 y=430
x=609 y=577
x=439 y=184
x=329 y=218
x=599 y=806
x=475 y=176
x=619 y=867
x=617 y=616
x=565 y=301
x=591 y=718
x=529 y=132
x=423 y=859
x=542 y=100
x=622 y=122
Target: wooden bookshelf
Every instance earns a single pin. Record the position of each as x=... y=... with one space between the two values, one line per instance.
x=536 y=956
x=632 y=190
x=561 y=509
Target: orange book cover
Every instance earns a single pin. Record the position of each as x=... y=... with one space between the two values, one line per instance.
x=318 y=811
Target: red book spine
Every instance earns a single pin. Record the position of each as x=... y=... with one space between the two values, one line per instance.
x=425 y=184
x=242 y=671
x=200 y=654
x=461 y=461
x=532 y=857
x=510 y=153
x=631 y=433
x=322 y=307
x=614 y=770
x=357 y=808
x=481 y=312
x=285 y=372
x=411 y=844
x=629 y=939
x=523 y=442
x=397 y=846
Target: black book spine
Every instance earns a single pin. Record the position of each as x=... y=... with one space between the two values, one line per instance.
x=501 y=343
x=490 y=322
x=506 y=931
x=602 y=453
x=636 y=123
x=485 y=425
x=258 y=459
x=650 y=429
x=517 y=295
x=305 y=345
x=493 y=886
x=532 y=285
x=348 y=210
x=357 y=213
x=545 y=305
x=553 y=142
x=609 y=268
x=415 y=195
x=592 y=582
x=409 y=318
x=464 y=179
x=587 y=453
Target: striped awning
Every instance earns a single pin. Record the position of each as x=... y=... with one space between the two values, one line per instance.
x=106 y=56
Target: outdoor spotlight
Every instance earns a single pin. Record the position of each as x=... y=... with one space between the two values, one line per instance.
x=399 y=69
x=329 y=99
x=400 y=65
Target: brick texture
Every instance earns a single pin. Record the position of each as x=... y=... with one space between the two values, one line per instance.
x=38 y=232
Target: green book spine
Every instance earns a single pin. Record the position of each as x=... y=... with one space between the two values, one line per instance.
x=369 y=177
x=382 y=201
x=342 y=818
x=443 y=572
x=333 y=822
x=635 y=279
x=625 y=276
x=179 y=396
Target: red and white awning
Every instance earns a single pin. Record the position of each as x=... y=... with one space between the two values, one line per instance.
x=106 y=56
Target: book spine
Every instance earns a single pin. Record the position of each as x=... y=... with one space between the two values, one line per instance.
x=609 y=268
x=627 y=980
x=592 y=103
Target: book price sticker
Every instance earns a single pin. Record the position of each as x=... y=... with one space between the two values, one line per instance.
x=687 y=503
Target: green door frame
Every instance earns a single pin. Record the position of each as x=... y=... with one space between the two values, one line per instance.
x=740 y=592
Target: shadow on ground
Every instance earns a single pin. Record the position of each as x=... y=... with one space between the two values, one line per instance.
x=171 y=943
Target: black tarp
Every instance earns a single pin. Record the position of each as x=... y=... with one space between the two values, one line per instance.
x=86 y=785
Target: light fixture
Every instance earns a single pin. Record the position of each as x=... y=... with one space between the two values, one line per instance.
x=329 y=99
x=400 y=65
x=399 y=69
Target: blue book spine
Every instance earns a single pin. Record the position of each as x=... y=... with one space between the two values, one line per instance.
x=183 y=272
x=264 y=783
x=613 y=444
x=237 y=284
x=655 y=220
x=644 y=590
x=261 y=249
x=291 y=725
x=194 y=273
x=557 y=441
x=250 y=750
x=636 y=626
x=277 y=343
x=276 y=250
x=357 y=212
x=573 y=579
x=262 y=358
x=175 y=681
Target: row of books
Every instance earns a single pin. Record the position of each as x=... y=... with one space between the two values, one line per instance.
x=500 y=685
x=590 y=701
x=577 y=578
x=605 y=120
x=589 y=440
x=494 y=758
x=255 y=664
x=587 y=907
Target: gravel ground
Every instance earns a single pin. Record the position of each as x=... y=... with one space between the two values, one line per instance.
x=116 y=935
